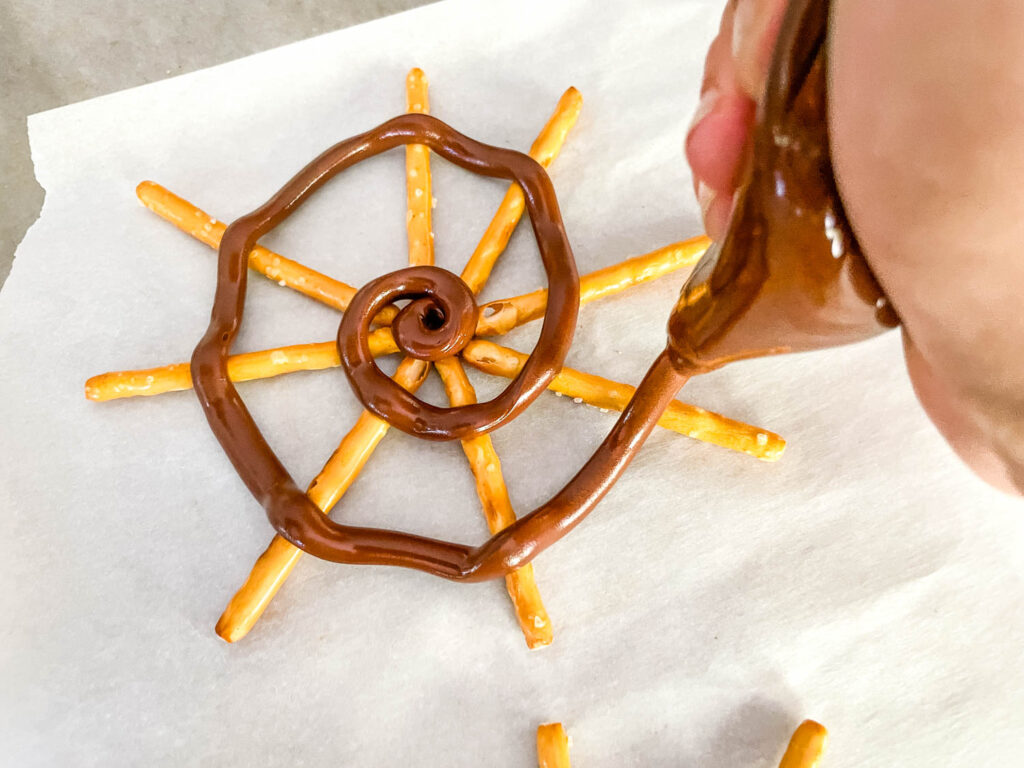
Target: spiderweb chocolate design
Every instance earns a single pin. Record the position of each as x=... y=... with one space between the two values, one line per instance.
x=439 y=329
x=788 y=276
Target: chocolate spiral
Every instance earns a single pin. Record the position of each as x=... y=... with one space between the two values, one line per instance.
x=438 y=323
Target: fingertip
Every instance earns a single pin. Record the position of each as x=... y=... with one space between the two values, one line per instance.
x=715 y=143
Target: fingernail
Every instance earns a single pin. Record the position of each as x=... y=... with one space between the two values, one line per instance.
x=705 y=107
x=705 y=197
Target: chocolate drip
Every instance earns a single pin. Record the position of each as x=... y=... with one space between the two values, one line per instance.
x=788 y=276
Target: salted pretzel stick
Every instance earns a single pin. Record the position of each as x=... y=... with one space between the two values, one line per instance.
x=242 y=367
x=483 y=459
x=481 y=354
x=510 y=313
x=544 y=150
x=604 y=393
x=807 y=746
x=417 y=173
x=502 y=316
x=276 y=563
x=344 y=466
x=490 y=487
x=205 y=228
x=552 y=746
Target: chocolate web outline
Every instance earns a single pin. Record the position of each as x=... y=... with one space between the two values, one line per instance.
x=262 y=585
x=291 y=512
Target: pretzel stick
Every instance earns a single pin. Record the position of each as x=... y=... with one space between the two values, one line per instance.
x=544 y=150
x=603 y=393
x=497 y=316
x=509 y=314
x=483 y=459
x=417 y=173
x=344 y=466
x=807 y=746
x=552 y=746
x=244 y=367
x=281 y=270
x=490 y=487
x=502 y=316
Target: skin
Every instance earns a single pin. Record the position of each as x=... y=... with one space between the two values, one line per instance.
x=926 y=117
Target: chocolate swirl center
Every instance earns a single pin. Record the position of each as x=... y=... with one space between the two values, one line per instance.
x=437 y=323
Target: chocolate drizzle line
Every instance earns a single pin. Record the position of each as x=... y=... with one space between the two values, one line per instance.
x=788 y=276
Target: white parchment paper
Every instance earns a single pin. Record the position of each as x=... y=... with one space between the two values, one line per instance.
x=709 y=604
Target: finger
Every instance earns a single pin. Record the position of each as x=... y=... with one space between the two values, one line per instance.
x=719 y=72
x=719 y=131
x=755 y=30
x=717 y=140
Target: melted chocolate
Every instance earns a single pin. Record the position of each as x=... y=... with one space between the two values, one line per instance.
x=788 y=276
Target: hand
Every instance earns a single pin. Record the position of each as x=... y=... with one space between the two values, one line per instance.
x=926 y=116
